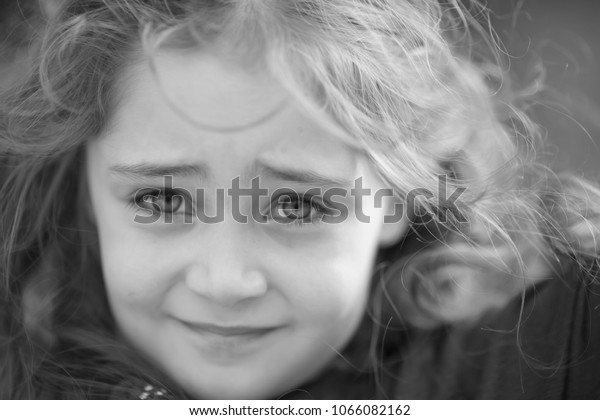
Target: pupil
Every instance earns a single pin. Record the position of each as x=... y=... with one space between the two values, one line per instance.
x=162 y=202
x=172 y=202
x=291 y=205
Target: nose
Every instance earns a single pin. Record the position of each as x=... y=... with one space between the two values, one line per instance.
x=225 y=270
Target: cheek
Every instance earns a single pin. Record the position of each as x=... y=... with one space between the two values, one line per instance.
x=129 y=274
x=137 y=267
x=330 y=280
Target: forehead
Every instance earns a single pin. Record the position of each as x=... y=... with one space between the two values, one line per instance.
x=177 y=107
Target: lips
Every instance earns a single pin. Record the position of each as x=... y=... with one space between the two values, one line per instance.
x=222 y=343
x=228 y=331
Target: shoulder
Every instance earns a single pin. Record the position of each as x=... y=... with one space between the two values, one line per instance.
x=545 y=344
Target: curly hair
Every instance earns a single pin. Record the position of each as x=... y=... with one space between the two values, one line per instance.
x=420 y=86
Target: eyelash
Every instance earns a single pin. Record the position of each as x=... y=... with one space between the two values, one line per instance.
x=140 y=201
x=309 y=200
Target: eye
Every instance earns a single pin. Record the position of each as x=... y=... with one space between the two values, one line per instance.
x=163 y=201
x=291 y=207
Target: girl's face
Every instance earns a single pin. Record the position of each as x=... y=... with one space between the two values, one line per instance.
x=231 y=309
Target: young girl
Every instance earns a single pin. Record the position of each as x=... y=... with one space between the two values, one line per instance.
x=286 y=199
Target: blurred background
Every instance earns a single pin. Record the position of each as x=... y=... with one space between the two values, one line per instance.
x=564 y=35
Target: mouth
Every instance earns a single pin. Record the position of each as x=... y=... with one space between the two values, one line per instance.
x=220 y=342
x=228 y=331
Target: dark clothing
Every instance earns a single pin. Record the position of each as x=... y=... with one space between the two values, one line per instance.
x=544 y=345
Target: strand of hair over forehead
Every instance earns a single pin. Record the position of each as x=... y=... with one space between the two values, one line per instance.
x=379 y=74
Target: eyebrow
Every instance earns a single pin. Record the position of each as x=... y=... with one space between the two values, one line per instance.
x=304 y=176
x=145 y=170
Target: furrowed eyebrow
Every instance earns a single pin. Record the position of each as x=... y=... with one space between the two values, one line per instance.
x=304 y=177
x=144 y=170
